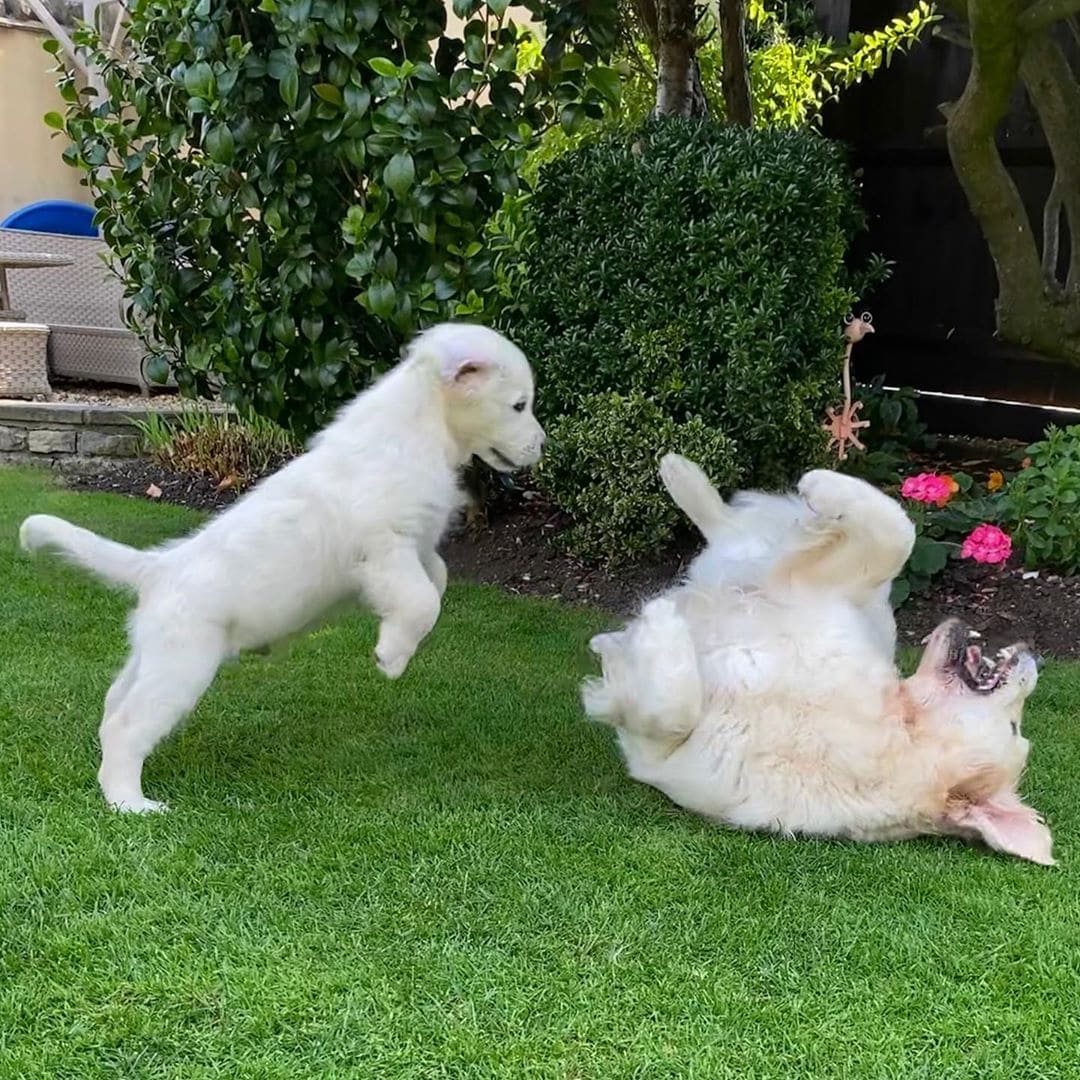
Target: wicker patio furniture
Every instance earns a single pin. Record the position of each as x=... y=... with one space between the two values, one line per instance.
x=23 y=360
x=82 y=305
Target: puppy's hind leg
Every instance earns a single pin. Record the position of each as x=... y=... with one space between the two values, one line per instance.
x=435 y=568
x=398 y=587
x=651 y=684
x=161 y=682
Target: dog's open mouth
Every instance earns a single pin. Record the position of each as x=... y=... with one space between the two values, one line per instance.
x=980 y=672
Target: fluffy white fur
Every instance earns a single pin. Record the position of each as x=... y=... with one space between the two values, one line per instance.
x=762 y=692
x=357 y=517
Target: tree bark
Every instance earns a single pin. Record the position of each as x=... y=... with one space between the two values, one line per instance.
x=1055 y=93
x=678 y=81
x=1025 y=314
x=738 y=104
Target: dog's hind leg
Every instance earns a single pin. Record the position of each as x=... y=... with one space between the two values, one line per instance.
x=651 y=684
x=398 y=587
x=161 y=682
x=857 y=540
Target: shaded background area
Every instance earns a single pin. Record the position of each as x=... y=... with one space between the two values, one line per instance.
x=935 y=316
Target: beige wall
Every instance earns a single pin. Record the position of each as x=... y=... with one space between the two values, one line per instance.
x=30 y=163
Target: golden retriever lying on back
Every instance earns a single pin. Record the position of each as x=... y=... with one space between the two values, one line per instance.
x=763 y=692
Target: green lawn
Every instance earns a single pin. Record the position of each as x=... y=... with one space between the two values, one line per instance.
x=450 y=876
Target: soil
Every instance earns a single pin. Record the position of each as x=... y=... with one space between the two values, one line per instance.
x=517 y=548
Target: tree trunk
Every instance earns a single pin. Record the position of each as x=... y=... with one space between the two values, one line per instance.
x=1025 y=314
x=1055 y=93
x=678 y=80
x=738 y=103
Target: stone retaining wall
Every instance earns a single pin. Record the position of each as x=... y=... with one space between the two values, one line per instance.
x=52 y=433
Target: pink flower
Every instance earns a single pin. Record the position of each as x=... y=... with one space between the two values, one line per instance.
x=986 y=544
x=929 y=488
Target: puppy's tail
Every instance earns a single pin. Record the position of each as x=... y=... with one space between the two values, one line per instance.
x=692 y=492
x=115 y=563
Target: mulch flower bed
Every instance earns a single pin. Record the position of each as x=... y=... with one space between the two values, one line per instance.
x=517 y=549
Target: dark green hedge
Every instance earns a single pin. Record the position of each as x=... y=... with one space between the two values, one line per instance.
x=702 y=266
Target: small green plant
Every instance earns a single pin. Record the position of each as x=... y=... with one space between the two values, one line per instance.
x=1042 y=502
x=601 y=468
x=895 y=432
x=231 y=450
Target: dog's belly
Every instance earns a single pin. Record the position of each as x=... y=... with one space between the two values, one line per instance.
x=756 y=771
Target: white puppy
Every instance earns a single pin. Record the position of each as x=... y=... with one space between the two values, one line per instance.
x=355 y=518
x=762 y=692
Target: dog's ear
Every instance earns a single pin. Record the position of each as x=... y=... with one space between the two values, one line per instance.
x=463 y=371
x=1005 y=823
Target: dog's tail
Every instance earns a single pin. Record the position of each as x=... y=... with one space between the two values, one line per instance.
x=116 y=563
x=688 y=485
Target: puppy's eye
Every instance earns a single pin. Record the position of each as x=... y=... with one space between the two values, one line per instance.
x=519 y=406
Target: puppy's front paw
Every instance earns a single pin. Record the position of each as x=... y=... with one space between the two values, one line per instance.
x=392 y=664
x=138 y=806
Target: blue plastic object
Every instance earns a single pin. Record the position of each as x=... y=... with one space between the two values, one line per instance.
x=53 y=216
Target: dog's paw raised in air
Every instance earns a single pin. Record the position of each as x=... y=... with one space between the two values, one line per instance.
x=831 y=494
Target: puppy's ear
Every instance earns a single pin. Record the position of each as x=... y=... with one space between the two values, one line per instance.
x=1004 y=823
x=463 y=372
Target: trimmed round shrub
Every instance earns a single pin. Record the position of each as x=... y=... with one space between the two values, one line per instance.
x=601 y=467
x=703 y=267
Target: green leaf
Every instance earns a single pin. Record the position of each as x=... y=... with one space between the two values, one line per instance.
x=366 y=13
x=928 y=556
x=607 y=82
x=399 y=174
x=269 y=7
x=199 y=80
x=901 y=590
x=156 y=369
x=381 y=66
x=54 y=120
x=357 y=99
x=381 y=298
x=312 y=326
x=220 y=144
x=475 y=45
x=329 y=92
x=289 y=87
x=572 y=117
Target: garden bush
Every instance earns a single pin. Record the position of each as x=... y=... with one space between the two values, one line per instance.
x=1042 y=502
x=292 y=187
x=601 y=467
x=703 y=267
